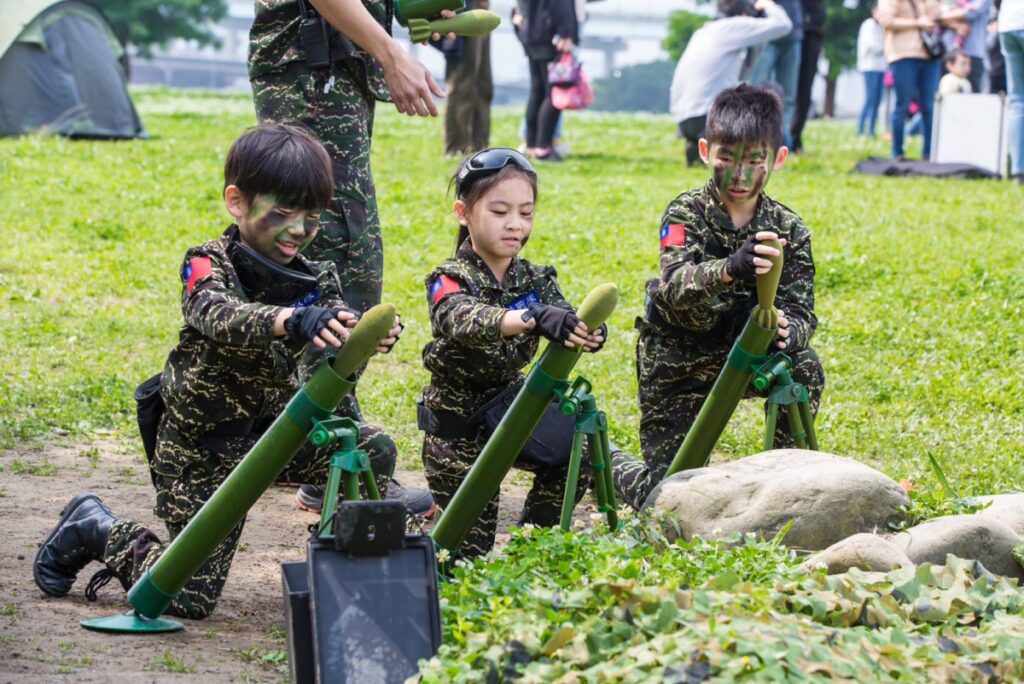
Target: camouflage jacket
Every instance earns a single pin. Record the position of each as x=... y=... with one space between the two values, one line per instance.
x=274 y=42
x=691 y=301
x=468 y=359
x=228 y=367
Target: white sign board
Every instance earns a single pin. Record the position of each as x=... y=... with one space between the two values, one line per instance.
x=970 y=129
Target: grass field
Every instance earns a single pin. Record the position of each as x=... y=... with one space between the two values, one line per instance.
x=919 y=281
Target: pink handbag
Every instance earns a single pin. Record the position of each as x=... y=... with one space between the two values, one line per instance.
x=564 y=71
x=576 y=96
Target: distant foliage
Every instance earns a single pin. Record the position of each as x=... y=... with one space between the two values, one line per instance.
x=840 y=44
x=681 y=27
x=148 y=24
x=636 y=88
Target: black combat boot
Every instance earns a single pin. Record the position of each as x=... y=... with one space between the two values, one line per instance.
x=79 y=538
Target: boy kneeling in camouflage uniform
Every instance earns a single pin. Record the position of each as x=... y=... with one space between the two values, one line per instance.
x=252 y=308
x=710 y=253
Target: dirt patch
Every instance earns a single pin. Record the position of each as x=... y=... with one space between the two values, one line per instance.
x=244 y=640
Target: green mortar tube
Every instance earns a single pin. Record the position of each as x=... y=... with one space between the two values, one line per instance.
x=499 y=454
x=155 y=590
x=472 y=23
x=734 y=378
x=424 y=9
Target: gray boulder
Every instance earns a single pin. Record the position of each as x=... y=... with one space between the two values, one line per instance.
x=974 y=537
x=865 y=551
x=1007 y=508
x=828 y=497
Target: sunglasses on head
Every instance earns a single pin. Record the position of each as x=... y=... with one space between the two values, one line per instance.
x=488 y=162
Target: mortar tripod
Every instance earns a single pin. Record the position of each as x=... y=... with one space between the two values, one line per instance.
x=773 y=374
x=591 y=425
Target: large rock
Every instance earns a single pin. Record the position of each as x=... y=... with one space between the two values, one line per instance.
x=865 y=551
x=828 y=497
x=968 y=536
x=1007 y=508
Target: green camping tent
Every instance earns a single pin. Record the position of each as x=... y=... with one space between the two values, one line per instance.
x=61 y=71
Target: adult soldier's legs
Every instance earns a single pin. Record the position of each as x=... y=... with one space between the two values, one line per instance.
x=446 y=463
x=342 y=119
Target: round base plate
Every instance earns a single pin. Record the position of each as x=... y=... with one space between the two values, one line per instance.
x=132 y=622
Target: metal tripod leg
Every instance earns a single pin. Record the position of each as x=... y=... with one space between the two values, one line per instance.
x=572 y=480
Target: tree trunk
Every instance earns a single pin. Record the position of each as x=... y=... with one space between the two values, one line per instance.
x=830 y=97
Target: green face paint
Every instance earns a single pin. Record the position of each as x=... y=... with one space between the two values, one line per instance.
x=276 y=231
x=740 y=172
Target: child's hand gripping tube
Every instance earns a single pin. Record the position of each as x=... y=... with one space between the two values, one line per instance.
x=746 y=356
x=551 y=372
x=317 y=399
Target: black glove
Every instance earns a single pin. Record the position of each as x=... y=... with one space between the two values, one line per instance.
x=740 y=266
x=604 y=337
x=306 y=322
x=552 y=322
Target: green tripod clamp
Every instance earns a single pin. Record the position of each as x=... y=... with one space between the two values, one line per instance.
x=349 y=466
x=592 y=425
x=775 y=373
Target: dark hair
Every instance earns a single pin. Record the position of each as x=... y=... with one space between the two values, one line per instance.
x=736 y=8
x=471 y=195
x=284 y=161
x=746 y=114
x=953 y=55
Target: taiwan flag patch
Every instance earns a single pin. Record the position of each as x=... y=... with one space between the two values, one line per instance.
x=195 y=270
x=673 y=235
x=441 y=287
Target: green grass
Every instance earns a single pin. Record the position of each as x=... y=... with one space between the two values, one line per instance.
x=919 y=281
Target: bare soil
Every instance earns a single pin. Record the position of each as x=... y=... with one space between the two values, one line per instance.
x=244 y=640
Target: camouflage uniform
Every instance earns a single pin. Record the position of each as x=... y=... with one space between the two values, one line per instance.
x=223 y=385
x=469 y=363
x=336 y=103
x=692 y=319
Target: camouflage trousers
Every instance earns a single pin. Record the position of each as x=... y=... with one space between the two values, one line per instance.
x=340 y=114
x=132 y=548
x=673 y=384
x=467 y=117
x=446 y=463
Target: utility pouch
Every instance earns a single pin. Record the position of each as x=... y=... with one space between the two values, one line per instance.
x=149 y=408
x=313 y=38
x=549 y=446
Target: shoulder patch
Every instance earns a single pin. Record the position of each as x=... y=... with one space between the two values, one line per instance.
x=442 y=286
x=195 y=270
x=673 y=235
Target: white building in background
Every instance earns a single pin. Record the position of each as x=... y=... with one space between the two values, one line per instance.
x=618 y=33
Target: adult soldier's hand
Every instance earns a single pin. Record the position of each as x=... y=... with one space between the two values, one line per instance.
x=751 y=258
x=410 y=83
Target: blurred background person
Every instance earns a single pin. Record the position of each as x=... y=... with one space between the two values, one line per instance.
x=779 y=61
x=914 y=71
x=550 y=30
x=713 y=59
x=1011 y=39
x=815 y=16
x=871 y=63
x=470 y=87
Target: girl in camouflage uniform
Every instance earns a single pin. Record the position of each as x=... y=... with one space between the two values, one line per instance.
x=488 y=307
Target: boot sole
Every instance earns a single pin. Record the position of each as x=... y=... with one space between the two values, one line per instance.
x=64 y=515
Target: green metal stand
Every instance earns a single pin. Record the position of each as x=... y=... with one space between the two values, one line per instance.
x=591 y=425
x=349 y=466
x=774 y=374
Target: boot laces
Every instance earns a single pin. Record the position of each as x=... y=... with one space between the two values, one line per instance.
x=98 y=581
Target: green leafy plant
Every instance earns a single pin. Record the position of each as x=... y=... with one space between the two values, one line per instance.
x=167 y=662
